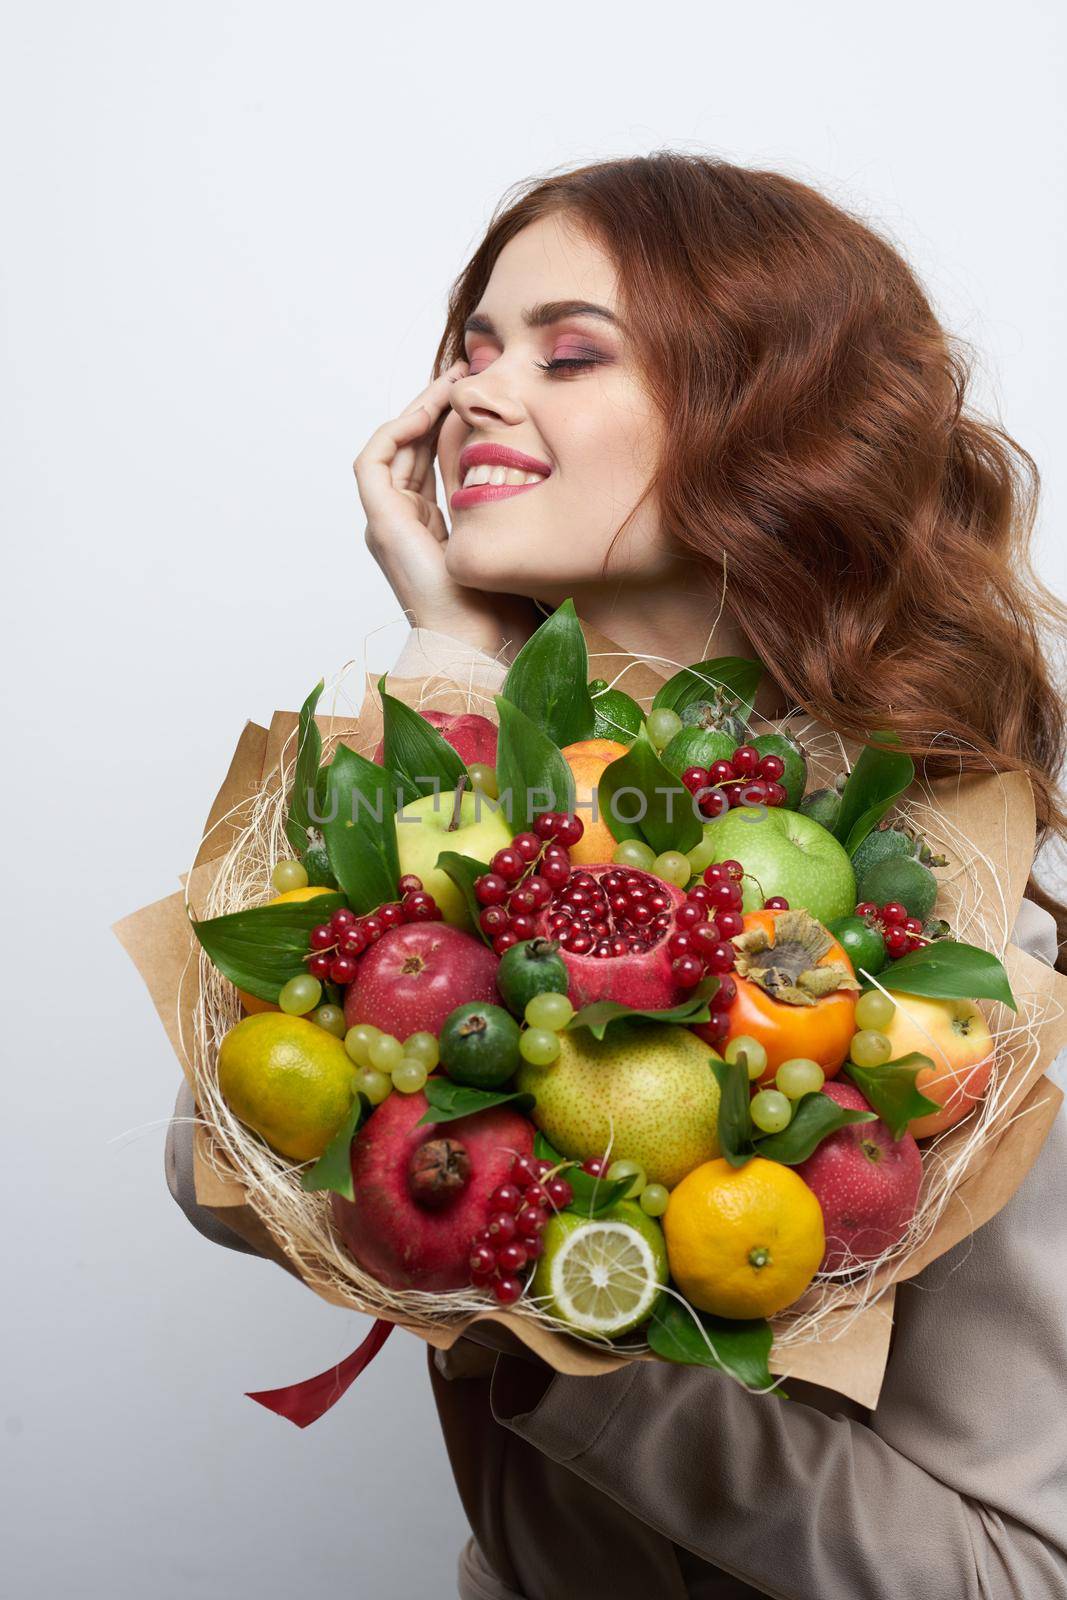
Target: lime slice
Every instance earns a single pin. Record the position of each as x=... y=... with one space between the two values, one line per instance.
x=600 y=1275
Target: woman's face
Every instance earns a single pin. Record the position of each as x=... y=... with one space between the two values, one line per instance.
x=591 y=427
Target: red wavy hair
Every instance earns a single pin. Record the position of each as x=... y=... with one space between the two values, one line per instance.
x=876 y=534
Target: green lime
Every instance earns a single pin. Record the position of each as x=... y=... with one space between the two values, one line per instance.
x=617 y=715
x=900 y=878
x=534 y=966
x=795 y=775
x=601 y=1274
x=861 y=942
x=479 y=1045
x=822 y=806
x=697 y=747
x=881 y=844
x=317 y=862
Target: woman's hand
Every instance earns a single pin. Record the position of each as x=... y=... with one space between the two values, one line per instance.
x=407 y=534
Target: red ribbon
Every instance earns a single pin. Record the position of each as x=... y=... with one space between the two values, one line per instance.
x=305 y=1402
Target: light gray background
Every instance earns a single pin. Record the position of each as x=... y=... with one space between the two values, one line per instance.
x=228 y=230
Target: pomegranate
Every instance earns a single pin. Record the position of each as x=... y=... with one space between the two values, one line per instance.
x=422 y=1193
x=414 y=975
x=472 y=737
x=613 y=924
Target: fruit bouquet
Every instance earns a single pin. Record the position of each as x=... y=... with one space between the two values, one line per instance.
x=607 y=1010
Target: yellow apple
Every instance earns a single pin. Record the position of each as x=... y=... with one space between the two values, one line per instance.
x=956 y=1037
x=424 y=829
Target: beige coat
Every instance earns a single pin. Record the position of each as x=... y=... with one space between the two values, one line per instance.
x=665 y=1483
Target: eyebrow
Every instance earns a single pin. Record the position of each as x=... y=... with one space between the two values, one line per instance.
x=544 y=315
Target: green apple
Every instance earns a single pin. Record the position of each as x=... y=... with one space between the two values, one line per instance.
x=424 y=828
x=785 y=853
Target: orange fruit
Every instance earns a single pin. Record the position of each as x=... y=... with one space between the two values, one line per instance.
x=289 y=1080
x=251 y=1003
x=743 y=1241
x=822 y=1032
x=587 y=759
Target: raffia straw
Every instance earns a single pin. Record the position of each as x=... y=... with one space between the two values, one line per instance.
x=302 y=1223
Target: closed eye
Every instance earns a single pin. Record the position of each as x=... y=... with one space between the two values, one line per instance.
x=571 y=363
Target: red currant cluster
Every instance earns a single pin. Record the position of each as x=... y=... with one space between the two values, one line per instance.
x=900 y=932
x=522 y=877
x=706 y=922
x=516 y=1215
x=747 y=779
x=337 y=944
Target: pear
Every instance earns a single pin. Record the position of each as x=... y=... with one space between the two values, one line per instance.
x=647 y=1090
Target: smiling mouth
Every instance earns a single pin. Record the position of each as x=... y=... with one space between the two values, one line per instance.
x=484 y=483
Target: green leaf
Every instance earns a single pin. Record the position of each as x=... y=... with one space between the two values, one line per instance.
x=599 y=1014
x=891 y=1090
x=880 y=776
x=333 y=1169
x=261 y=949
x=591 y=1195
x=737 y=675
x=735 y=1121
x=815 y=1116
x=463 y=870
x=415 y=751
x=741 y=1348
x=661 y=810
x=305 y=775
x=544 y=1151
x=360 y=830
x=450 y=1100
x=950 y=970
x=547 y=679
x=531 y=773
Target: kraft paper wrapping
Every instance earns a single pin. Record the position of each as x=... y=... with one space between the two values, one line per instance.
x=994 y=812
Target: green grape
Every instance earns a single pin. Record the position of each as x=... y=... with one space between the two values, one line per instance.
x=673 y=866
x=289 y=875
x=874 y=1010
x=770 y=1111
x=799 y=1076
x=423 y=1047
x=870 y=1049
x=409 y=1075
x=653 y=1199
x=629 y=1169
x=538 y=1046
x=549 y=1010
x=386 y=1052
x=484 y=779
x=755 y=1054
x=661 y=726
x=633 y=853
x=300 y=995
x=332 y=1018
x=374 y=1084
x=358 y=1041
x=702 y=854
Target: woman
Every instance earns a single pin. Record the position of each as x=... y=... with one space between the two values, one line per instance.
x=708 y=374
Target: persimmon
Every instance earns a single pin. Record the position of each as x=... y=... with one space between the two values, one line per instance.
x=784 y=958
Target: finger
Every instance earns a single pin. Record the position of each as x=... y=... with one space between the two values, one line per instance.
x=438 y=388
x=422 y=475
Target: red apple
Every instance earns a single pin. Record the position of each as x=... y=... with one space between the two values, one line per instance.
x=471 y=736
x=416 y=974
x=421 y=1193
x=866 y=1182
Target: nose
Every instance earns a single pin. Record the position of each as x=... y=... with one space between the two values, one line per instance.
x=487 y=396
